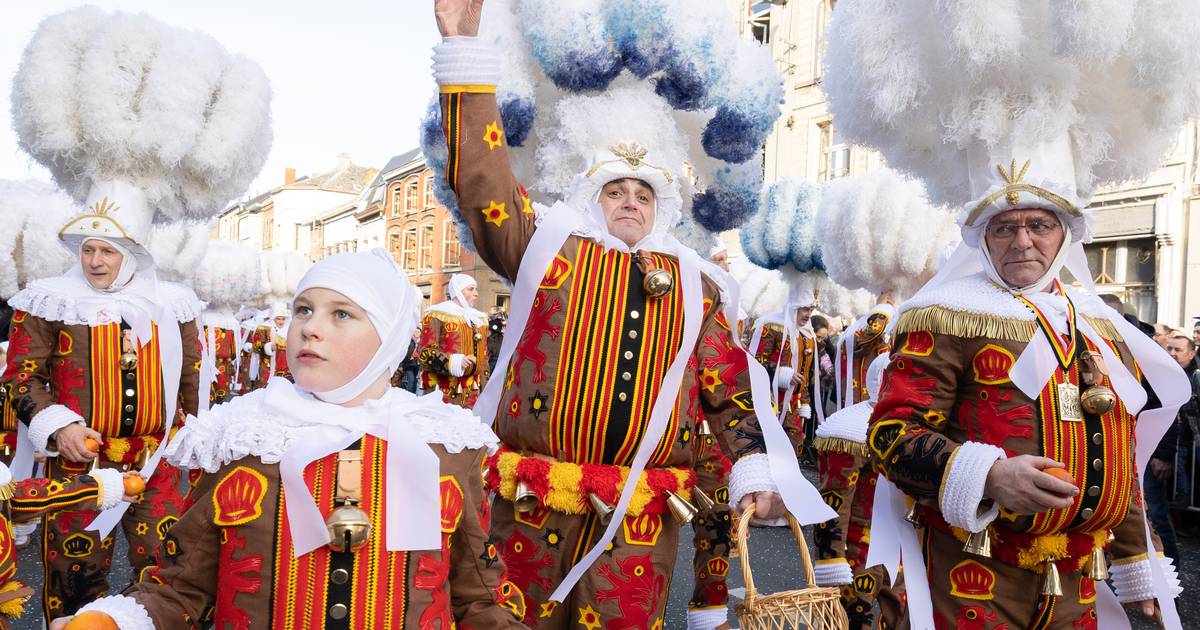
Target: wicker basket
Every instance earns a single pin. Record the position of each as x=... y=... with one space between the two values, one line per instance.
x=810 y=608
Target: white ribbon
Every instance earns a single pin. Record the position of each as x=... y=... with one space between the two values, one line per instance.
x=22 y=463
x=894 y=541
x=412 y=498
x=208 y=364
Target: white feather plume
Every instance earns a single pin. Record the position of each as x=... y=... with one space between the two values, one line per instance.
x=120 y=96
x=924 y=82
x=33 y=212
x=281 y=273
x=177 y=249
x=229 y=275
x=882 y=233
x=763 y=291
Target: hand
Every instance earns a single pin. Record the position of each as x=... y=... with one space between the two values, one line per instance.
x=767 y=505
x=1146 y=606
x=1019 y=485
x=468 y=365
x=1161 y=470
x=69 y=442
x=60 y=623
x=458 y=17
x=133 y=498
x=797 y=381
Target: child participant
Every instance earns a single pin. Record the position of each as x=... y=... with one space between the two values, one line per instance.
x=337 y=501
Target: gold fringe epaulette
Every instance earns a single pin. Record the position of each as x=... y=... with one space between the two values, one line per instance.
x=943 y=321
x=1104 y=327
x=839 y=445
x=13 y=597
x=7 y=490
x=772 y=326
x=445 y=317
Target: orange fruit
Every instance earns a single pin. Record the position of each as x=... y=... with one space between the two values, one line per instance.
x=91 y=620
x=91 y=444
x=134 y=485
x=1060 y=473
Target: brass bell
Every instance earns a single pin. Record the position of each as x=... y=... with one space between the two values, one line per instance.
x=128 y=361
x=603 y=510
x=703 y=501
x=1098 y=400
x=683 y=511
x=348 y=527
x=1097 y=565
x=704 y=428
x=912 y=517
x=1052 y=585
x=525 y=500
x=658 y=283
x=979 y=543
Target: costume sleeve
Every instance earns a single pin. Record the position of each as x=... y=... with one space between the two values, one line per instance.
x=766 y=349
x=478 y=169
x=477 y=588
x=35 y=497
x=180 y=590
x=32 y=342
x=189 y=380
x=1130 y=569
x=430 y=354
x=919 y=390
x=725 y=399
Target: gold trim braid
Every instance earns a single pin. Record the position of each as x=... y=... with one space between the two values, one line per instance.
x=840 y=445
x=1104 y=327
x=943 y=321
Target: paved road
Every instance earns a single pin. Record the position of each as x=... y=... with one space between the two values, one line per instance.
x=773 y=555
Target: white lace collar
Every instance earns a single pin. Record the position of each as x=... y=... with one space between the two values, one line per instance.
x=244 y=427
x=71 y=300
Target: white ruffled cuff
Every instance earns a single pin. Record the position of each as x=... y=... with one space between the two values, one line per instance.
x=1133 y=582
x=466 y=61
x=247 y=347
x=269 y=348
x=963 y=484
x=455 y=365
x=707 y=618
x=45 y=422
x=783 y=377
x=834 y=572
x=127 y=612
x=750 y=474
x=806 y=412
x=111 y=485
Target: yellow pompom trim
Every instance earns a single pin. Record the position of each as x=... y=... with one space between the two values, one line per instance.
x=14 y=607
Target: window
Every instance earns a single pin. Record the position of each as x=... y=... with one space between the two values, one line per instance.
x=835 y=156
x=425 y=257
x=1126 y=268
x=824 y=12
x=396 y=200
x=430 y=200
x=760 y=22
x=411 y=202
x=408 y=253
x=393 y=244
x=451 y=248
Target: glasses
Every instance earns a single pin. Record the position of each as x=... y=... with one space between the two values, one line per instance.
x=1008 y=231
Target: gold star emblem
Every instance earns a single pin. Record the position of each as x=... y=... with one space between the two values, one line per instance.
x=548 y=609
x=1013 y=177
x=589 y=618
x=709 y=380
x=493 y=135
x=495 y=213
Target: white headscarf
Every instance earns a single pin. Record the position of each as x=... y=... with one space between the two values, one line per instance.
x=374 y=282
x=1049 y=276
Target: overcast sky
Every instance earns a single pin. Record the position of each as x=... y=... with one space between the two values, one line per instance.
x=349 y=76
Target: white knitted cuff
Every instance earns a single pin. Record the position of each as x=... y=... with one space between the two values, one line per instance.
x=751 y=473
x=833 y=572
x=455 y=365
x=45 y=422
x=806 y=412
x=707 y=618
x=466 y=61
x=125 y=611
x=783 y=377
x=1132 y=581
x=962 y=486
x=112 y=486
x=1173 y=583
x=247 y=347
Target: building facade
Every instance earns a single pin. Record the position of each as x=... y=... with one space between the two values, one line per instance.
x=1143 y=232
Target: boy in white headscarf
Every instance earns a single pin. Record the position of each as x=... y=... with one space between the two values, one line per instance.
x=337 y=501
x=453 y=349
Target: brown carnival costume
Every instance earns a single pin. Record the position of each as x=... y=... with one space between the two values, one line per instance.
x=451 y=333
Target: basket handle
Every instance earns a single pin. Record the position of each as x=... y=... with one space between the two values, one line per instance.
x=742 y=534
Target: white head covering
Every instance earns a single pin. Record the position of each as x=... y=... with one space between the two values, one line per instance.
x=875 y=375
x=129 y=263
x=460 y=282
x=374 y=282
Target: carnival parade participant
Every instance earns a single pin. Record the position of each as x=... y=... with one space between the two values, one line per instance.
x=616 y=342
x=337 y=501
x=269 y=342
x=103 y=362
x=785 y=344
x=453 y=350
x=1013 y=411
x=847 y=484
